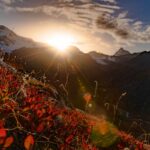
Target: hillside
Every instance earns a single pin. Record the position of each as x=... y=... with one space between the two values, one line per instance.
x=32 y=117
x=117 y=86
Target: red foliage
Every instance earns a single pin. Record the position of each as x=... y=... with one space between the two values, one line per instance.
x=2 y=133
x=34 y=119
x=130 y=141
x=8 y=142
x=29 y=142
x=29 y=109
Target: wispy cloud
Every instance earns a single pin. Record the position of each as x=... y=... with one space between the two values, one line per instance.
x=9 y=2
x=124 y=27
x=76 y=11
x=100 y=16
x=113 y=24
x=110 y=1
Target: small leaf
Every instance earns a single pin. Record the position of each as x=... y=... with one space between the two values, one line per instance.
x=2 y=141
x=8 y=141
x=2 y=133
x=69 y=139
x=40 y=127
x=28 y=142
x=26 y=109
x=1 y=123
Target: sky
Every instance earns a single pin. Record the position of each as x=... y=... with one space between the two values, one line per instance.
x=96 y=25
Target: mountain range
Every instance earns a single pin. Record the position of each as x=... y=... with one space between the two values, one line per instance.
x=121 y=80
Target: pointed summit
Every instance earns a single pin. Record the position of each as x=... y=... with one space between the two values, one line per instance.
x=122 y=52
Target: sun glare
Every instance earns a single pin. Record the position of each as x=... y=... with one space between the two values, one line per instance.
x=61 y=41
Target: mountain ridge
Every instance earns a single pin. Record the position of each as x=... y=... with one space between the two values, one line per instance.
x=10 y=41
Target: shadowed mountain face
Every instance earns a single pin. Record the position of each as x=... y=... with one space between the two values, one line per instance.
x=10 y=41
x=105 y=77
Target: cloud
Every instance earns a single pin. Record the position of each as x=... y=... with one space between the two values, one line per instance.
x=80 y=12
x=123 y=33
x=83 y=1
x=9 y=2
x=111 y=1
x=124 y=28
x=94 y=16
x=108 y=22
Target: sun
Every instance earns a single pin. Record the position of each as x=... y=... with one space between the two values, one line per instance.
x=61 y=41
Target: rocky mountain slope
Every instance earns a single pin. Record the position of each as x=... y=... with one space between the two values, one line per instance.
x=118 y=85
x=10 y=41
x=122 y=52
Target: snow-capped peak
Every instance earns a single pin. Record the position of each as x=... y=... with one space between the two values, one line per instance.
x=122 y=52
